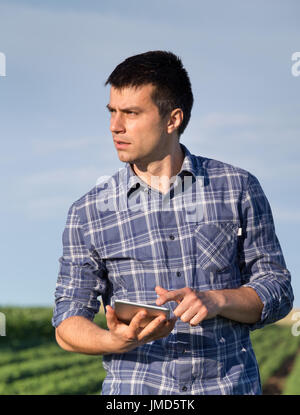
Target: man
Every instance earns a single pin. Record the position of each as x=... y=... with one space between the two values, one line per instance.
x=173 y=229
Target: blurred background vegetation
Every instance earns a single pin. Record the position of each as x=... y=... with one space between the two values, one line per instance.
x=31 y=362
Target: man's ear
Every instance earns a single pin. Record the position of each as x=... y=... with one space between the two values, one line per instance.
x=175 y=119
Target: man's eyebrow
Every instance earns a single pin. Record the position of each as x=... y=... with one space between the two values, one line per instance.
x=124 y=109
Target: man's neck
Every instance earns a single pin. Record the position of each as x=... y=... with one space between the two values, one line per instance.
x=158 y=173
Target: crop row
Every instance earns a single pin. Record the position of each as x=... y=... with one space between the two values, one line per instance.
x=276 y=358
x=29 y=368
x=269 y=341
x=47 y=369
x=23 y=323
x=292 y=383
x=37 y=352
x=78 y=379
x=269 y=337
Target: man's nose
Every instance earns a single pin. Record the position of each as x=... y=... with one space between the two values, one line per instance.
x=117 y=124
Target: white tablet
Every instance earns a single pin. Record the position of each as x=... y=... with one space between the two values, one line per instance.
x=126 y=310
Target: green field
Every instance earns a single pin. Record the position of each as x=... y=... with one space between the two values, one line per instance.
x=31 y=362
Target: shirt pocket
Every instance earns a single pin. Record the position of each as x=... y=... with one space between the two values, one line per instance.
x=216 y=246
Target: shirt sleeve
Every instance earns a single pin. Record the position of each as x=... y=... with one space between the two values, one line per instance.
x=82 y=275
x=261 y=260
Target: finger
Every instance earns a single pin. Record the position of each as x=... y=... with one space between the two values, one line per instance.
x=175 y=295
x=190 y=302
x=162 y=331
x=188 y=315
x=160 y=290
x=188 y=307
x=135 y=323
x=200 y=316
x=111 y=318
x=150 y=329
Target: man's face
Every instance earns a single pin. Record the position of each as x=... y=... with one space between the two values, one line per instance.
x=135 y=122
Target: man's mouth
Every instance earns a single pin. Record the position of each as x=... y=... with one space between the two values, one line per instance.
x=121 y=144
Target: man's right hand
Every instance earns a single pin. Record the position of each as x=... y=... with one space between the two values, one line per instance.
x=128 y=337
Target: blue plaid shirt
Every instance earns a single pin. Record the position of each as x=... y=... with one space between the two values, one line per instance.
x=213 y=230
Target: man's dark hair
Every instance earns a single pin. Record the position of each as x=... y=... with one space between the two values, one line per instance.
x=165 y=71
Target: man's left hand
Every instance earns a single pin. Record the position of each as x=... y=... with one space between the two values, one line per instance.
x=194 y=306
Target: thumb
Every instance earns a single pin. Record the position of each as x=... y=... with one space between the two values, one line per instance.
x=111 y=317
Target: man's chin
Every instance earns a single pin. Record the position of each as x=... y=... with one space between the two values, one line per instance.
x=125 y=158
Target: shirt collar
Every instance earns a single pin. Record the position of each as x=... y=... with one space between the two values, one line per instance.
x=188 y=167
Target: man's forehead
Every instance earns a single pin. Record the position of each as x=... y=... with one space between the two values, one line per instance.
x=127 y=94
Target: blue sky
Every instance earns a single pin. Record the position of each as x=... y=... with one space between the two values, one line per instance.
x=54 y=128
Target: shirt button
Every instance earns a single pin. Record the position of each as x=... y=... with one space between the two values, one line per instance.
x=172 y=237
x=184 y=389
x=178 y=273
